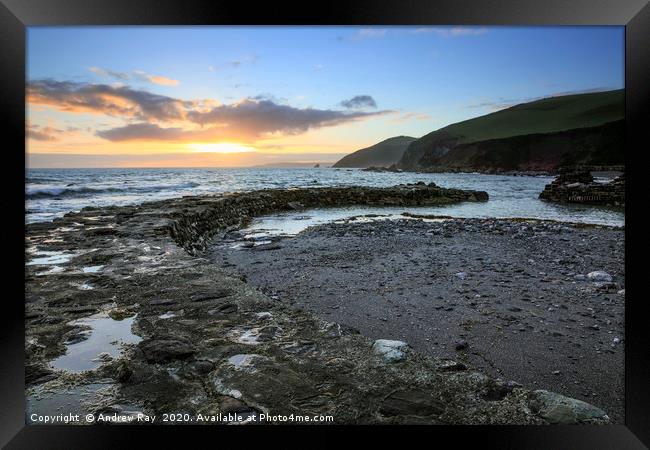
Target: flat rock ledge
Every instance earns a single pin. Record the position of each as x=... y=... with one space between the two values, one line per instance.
x=210 y=343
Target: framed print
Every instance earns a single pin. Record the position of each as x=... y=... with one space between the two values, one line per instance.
x=381 y=215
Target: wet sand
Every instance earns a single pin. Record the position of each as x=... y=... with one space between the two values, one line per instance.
x=508 y=298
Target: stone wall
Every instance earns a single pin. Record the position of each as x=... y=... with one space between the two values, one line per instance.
x=200 y=218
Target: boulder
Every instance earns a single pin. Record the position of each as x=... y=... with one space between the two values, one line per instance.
x=558 y=409
x=390 y=351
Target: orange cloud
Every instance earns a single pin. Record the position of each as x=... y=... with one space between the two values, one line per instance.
x=248 y=119
x=137 y=74
x=157 y=79
x=117 y=101
x=45 y=133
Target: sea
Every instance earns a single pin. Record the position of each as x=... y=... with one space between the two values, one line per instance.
x=50 y=193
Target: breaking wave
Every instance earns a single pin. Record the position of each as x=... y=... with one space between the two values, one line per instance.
x=84 y=191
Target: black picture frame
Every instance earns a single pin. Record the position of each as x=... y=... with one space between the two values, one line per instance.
x=16 y=15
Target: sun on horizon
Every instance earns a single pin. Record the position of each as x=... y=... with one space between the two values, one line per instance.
x=248 y=96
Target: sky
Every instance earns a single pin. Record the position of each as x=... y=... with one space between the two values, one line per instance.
x=245 y=96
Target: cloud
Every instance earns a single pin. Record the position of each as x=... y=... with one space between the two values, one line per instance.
x=118 y=101
x=359 y=102
x=235 y=63
x=142 y=131
x=452 y=32
x=411 y=116
x=39 y=133
x=136 y=75
x=248 y=119
x=256 y=117
x=110 y=73
x=156 y=79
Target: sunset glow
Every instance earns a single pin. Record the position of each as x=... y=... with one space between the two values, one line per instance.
x=223 y=147
x=247 y=96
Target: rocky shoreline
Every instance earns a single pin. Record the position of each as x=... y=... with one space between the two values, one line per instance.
x=202 y=340
x=577 y=185
x=445 y=169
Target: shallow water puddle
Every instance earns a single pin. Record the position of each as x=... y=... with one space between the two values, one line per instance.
x=47 y=258
x=290 y=224
x=66 y=229
x=92 y=269
x=96 y=227
x=104 y=336
x=53 y=269
x=243 y=361
x=96 y=218
x=502 y=204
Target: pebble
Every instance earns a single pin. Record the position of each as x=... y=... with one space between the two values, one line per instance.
x=599 y=275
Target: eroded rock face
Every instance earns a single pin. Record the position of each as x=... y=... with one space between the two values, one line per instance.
x=197 y=320
x=576 y=185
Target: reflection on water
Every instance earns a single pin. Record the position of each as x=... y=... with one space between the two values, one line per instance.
x=47 y=258
x=285 y=224
x=104 y=336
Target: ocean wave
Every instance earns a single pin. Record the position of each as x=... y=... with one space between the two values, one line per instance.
x=37 y=180
x=84 y=191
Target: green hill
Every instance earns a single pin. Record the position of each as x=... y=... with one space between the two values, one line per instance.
x=574 y=123
x=383 y=154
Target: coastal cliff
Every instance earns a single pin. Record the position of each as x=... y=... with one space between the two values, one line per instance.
x=541 y=135
x=382 y=154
